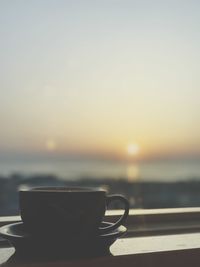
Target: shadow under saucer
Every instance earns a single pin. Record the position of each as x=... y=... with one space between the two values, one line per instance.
x=33 y=258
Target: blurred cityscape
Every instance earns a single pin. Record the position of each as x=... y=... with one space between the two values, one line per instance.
x=147 y=195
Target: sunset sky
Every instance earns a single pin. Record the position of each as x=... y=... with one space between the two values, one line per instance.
x=107 y=78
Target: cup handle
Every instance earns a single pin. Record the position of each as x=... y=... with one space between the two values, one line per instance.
x=122 y=219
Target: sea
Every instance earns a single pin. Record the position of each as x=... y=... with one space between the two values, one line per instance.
x=72 y=169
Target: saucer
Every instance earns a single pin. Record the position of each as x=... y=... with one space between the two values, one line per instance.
x=24 y=242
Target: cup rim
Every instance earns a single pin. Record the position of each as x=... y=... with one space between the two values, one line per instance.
x=62 y=189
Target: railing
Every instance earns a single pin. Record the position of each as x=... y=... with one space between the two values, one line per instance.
x=148 y=222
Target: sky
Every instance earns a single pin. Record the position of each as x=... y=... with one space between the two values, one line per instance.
x=100 y=78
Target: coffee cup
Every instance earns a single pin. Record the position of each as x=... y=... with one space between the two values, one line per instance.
x=71 y=211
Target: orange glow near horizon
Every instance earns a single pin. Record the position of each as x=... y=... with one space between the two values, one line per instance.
x=113 y=148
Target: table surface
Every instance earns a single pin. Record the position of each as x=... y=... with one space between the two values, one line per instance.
x=148 y=251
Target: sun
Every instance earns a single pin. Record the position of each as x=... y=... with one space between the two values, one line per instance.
x=133 y=149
